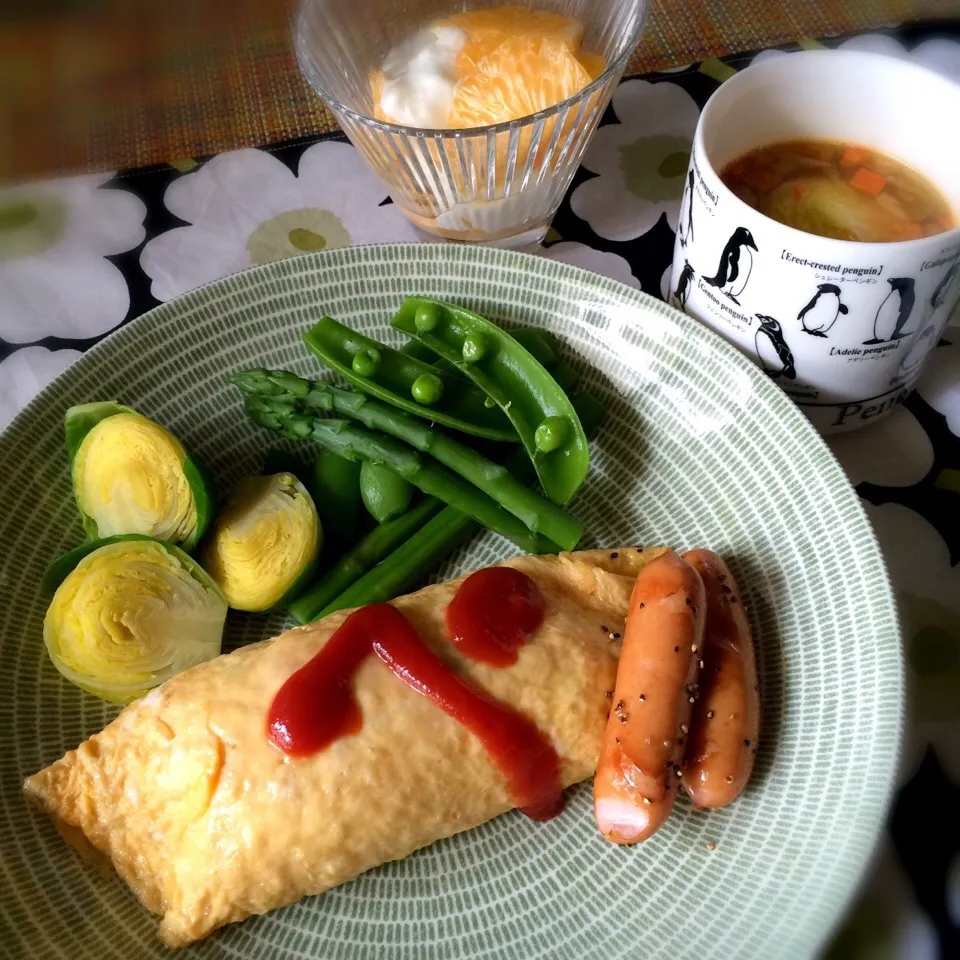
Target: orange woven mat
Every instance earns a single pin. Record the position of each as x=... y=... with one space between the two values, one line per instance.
x=101 y=84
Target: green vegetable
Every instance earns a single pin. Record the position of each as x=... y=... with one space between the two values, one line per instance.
x=368 y=552
x=540 y=343
x=552 y=434
x=536 y=512
x=131 y=475
x=513 y=378
x=475 y=347
x=462 y=404
x=566 y=377
x=264 y=545
x=336 y=495
x=416 y=350
x=411 y=563
x=385 y=494
x=365 y=362
x=427 y=389
x=426 y=317
x=128 y=613
x=358 y=443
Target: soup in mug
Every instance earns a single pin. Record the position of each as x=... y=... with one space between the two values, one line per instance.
x=839 y=190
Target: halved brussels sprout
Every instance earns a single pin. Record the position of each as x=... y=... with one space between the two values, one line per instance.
x=129 y=612
x=264 y=545
x=130 y=475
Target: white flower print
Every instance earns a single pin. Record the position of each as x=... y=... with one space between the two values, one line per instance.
x=245 y=207
x=928 y=592
x=25 y=373
x=939 y=384
x=641 y=161
x=893 y=453
x=606 y=264
x=54 y=236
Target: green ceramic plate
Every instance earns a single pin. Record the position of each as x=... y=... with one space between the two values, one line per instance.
x=699 y=449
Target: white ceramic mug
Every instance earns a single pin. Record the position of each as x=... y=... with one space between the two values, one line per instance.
x=843 y=327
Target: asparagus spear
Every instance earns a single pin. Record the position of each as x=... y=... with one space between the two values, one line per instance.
x=411 y=562
x=408 y=564
x=368 y=551
x=359 y=443
x=538 y=514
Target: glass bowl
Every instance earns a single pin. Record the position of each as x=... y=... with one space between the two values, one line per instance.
x=499 y=184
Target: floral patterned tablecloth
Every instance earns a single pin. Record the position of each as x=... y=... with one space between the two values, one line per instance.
x=81 y=256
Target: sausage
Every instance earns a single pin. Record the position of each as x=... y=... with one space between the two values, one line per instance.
x=637 y=774
x=726 y=719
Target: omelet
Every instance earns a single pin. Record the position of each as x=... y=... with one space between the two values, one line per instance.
x=209 y=823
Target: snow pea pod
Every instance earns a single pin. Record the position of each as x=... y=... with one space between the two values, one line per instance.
x=390 y=375
x=514 y=380
x=541 y=343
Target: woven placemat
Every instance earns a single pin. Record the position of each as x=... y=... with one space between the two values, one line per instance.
x=102 y=84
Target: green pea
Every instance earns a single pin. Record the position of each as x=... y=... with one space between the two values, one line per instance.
x=552 y=434
x=474 y=347
x=365 y=362
x=427 y=317
x=427 y=389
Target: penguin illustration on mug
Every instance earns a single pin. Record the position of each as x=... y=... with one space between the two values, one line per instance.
x=736 y=263
x=682 y=292
x=940 y=294
x=821 y=313
x=685 y=220
x=772 y=350
x=894 y=312
x=922 y=344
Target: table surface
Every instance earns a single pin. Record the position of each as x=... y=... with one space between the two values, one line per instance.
x=104 y=84
x=117 y=245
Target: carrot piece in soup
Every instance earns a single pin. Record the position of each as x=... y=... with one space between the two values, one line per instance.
x=854 y=157
x=869 y=181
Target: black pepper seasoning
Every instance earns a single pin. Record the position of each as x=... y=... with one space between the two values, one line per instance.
x=614 y=555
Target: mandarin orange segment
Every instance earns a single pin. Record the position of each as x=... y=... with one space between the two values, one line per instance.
x=522 y=75
x=487 y=29
x=593 y=63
